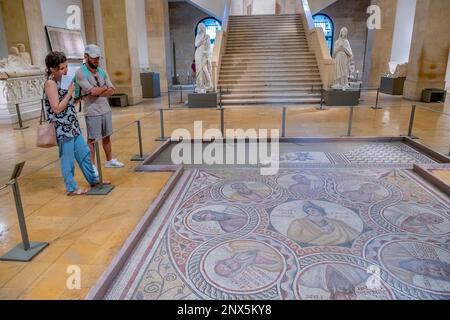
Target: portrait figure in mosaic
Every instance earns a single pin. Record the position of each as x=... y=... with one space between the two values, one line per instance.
x=333 y=281
x=363 y=192
x=241 y=191
x=319 y=229
x=419 y=264
x=304 y=184
x=228 y=222
x=418 y=220
x=243 y=266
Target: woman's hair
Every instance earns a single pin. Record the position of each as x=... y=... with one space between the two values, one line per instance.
x=53 y=60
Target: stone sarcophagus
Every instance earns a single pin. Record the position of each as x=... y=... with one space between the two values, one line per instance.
x=21 y=84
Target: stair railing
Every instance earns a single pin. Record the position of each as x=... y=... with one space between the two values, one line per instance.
x=317 y=43
x=220 y=46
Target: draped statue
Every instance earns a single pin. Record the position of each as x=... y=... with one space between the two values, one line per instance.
x=18 y=64
x=203 y=61
x=342 y=54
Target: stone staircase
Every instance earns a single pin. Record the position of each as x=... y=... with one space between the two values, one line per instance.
x=268 y=61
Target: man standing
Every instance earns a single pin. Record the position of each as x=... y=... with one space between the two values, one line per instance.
x=96 y=87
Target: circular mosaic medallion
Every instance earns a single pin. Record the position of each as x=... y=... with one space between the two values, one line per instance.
x=216 y=220
x=320 y=223
x=248 y=192
x=363 y=192
x=419 y=264
x=243 y=266
x=301 y=184
x=341 y=281
x=417 y=219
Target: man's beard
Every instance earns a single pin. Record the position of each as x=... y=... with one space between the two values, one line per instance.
x=92 y=65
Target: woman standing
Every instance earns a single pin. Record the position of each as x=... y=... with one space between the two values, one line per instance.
x=61 y=111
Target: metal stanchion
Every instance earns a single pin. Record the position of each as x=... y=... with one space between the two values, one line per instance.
x=377 y=100
x=321 y=99
x=168 y=95
x=140 y=156
x=350 y=122
x=101 y=189
x=181 y=93
x=19 y=118
x=27 y=250
x=161 y=123
x=411 y=123
x=283 y=123
x=222 y=121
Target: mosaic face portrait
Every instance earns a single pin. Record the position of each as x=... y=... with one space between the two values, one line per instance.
x=416 y=219
x=316 y=222
x=216 y=220
x=362 y=192
x=421 y=265
x=243 y=266
x=338 y=281
x=300 y=183
x=247 y=191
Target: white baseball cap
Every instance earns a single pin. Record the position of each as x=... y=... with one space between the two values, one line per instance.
x=93 y=51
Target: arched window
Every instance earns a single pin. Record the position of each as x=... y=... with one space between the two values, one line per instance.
x=212 y=27
x=323 y=21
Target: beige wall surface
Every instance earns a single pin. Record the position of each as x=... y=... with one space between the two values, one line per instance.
x=183 y=21
x=429 y=48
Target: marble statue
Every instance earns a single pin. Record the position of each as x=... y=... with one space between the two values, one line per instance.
x=18 y=64
x=203 y=61
x=342 y=55
x=398 y=70
x=24 y=54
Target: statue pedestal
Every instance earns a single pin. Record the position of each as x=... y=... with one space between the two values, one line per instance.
x=202 y=100
x=24 y=91
x=392 y=86
x=349 y=97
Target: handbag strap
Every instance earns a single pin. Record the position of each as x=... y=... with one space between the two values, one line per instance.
x=44 y=116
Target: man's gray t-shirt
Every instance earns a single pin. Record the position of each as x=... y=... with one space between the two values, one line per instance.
x=93 y=106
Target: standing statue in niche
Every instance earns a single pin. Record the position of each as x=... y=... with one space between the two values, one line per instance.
x=203 y=61
x=342 y=54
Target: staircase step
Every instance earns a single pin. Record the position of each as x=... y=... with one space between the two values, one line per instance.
x=273 y=89
x=273 y=94
x=267 y=71
x=269 y=82
x=269 y=77
x=272 y=101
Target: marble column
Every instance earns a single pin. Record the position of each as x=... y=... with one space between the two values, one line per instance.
x=23 y=24
x=159 y=44
x=36 y=31
x=120 y=40
x=89 y=21
x=430 y=45
x=379 y=44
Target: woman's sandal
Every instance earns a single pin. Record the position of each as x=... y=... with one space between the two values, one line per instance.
x=79 y=192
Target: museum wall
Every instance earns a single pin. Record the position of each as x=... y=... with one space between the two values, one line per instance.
x=404 y=25
x=54 y=13
x=142 y=35
x=216 y=8
x=351 y=14
x=184 y=17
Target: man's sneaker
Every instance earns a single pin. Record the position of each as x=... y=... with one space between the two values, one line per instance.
x=114 y=164
x=95 y=171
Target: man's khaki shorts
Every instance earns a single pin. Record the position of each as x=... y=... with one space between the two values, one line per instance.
x=99 y=126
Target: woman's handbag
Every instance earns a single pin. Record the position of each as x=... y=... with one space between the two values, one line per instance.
x=46 y=131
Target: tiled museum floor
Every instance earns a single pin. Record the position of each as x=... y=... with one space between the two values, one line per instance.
x=89 y=231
